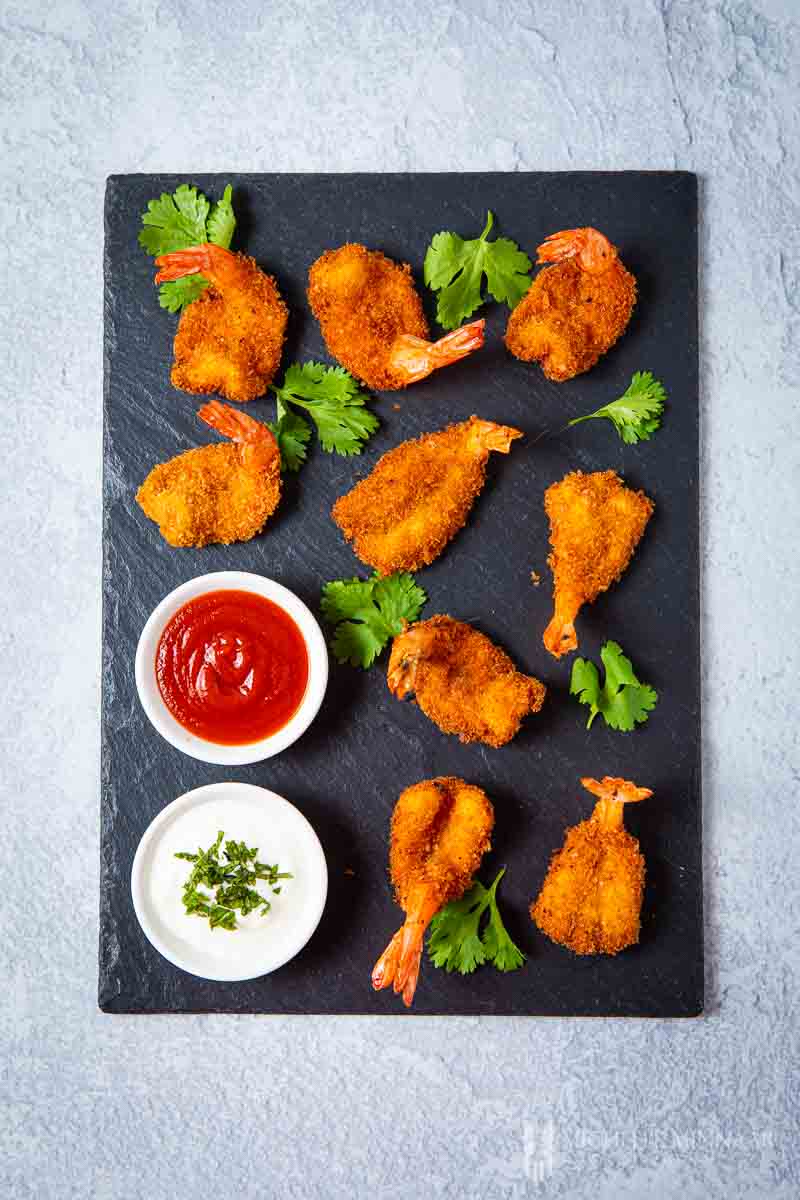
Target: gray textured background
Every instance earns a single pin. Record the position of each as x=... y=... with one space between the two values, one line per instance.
x=96 y=1106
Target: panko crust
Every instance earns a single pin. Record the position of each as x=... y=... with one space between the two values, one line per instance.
x=591 y=899
x=205 y=495
x=229 y=341
x=569 y=317
x=363 y=302
x=462 y=681
x=441 y=829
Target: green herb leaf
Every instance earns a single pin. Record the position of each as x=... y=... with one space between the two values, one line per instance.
x=292 y=433
x=455 y=268
x=229 y=883
x=622 y=701
x=367 y=613
x=637 y=414
x=334 y=401
x=185 y=219
x=455 y=941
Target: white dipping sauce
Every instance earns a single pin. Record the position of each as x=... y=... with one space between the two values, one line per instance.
x=261 y=943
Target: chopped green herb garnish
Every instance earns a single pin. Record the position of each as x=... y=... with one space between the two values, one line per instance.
x=229 y=882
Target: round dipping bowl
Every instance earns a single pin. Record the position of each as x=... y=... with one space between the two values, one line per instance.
x=184 y=739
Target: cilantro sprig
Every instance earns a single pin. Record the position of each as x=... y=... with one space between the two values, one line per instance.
x=622 y=701
x=455 y=269
x=366 y=613
x=334 y=401
x=185 y=218
x=229 y=882
x=456 y=942
x=636 y=415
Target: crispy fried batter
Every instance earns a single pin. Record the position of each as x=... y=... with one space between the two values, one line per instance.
x=462 y=681
x=220 y=493
x=574 y=310
x=596 y=523
x=372 y=319
x=229 y=340
x=591 y=898
x=419 y=495
x=440 y=832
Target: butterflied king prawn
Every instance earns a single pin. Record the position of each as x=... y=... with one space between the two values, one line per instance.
x=575 y=310
x=440 y=832
x=219 y=493
x=462 y=682
x=592 y=897
x=230 y=339
x=596 y=523
x=372 y=319
x=419 y=495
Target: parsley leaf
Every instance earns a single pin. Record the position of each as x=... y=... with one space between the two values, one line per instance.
x=455 y=941
x=368 y=612
x=229 y=883
x=455 y=268
x=334 y=401
x=637 y=414
x=622 y=700
x=185 y=219
x=292 y=433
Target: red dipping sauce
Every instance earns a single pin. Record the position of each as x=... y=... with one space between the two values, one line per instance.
x=232 y=667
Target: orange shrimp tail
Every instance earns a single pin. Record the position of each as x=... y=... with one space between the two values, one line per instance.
x=206 y=259
x=385 y=969
x=593 y=248
x=560 y=637
x=413 y=358
x=612 y=795
x=258 y=443
x=490 y=436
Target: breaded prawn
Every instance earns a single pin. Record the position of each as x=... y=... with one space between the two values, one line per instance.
x=419 y=495
x=372 y=319
x=230 y=339
x=591 y=899
x=463 y=682
x=596 y=523
x=220 y=493
x=440 y=832
x=574 y=311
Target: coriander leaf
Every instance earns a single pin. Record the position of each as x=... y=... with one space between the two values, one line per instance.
x=622 y=701
x=174 y=222
x=367 y=613
x=221 y=222
x=455 y=268
x=335 y=403
x=637 y=414
x=455 y=941
x=176 y=293
x=229 y=882
x=292 y=433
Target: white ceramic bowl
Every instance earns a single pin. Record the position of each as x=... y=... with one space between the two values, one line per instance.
x=261 y=943
x=214 y=752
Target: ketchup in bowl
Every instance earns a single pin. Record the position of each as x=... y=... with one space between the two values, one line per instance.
x=232 y=667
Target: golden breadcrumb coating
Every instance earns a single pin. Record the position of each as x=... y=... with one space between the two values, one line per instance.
x=441 y=829
x=419 y=495
x=575 y=310
x=596 y=523
x=591 y=898
x=463 y=682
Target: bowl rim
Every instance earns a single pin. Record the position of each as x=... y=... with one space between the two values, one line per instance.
x=183 y=739
x=196 y=797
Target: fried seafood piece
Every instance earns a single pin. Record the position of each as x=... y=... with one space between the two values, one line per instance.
x=575 y=310
x=220 y=493
x=596 y=523
x=592 y=896
x=372 y=319
x=462 y=681
x=230 y=339
x=419 y=495
x=440 y=832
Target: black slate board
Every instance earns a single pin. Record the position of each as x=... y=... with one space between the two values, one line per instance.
x=348 y=770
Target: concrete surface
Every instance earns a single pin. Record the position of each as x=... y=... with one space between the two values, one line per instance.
x=177 y=1107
